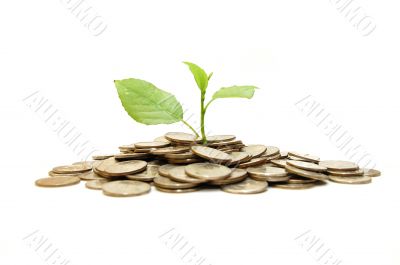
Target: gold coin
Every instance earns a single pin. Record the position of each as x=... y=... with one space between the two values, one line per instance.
x=60 y=181
x=294 y=186
x=101 y=157
x=72 y=168
x=96 y=184
x=236 y=175
x=176 y=190
x=338 y=165
x=370 y=172
x=239 y=157
x=253 y=162
x=178 y=174
x=148 y=175
x=351 y=180
x=207 y=171
x=90 y=175
x=125 y=168
x=255 y=150
x=353 y=173
x=170 y=150
x=306 y=166
x=306 y=173
x=167 y=183
x=279 y=162
x=125 y=188
x=220 y=138
x=131 y=156
x=185 y=155
x=270 y=174
x=151 y=145
x=164 y=169
x=211 y=154
x=180 y=137
x=247 y=186
x=305 y=157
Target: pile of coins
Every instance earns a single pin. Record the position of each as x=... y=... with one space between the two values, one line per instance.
x=178 y=163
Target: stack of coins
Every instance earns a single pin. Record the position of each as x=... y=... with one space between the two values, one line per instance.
x=179 y=163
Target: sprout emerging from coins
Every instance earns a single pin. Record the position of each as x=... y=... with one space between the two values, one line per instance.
x=149 y=105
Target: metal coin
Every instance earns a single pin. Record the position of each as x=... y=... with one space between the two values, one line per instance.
x=239 y=157
x=300 y=180
x=101 y=157
x=353 y=173
x=130 y=147
x=220 y=138
x=211 y=154
x=255 y=150
x=338 y=165
x=57 y=181
x=161 y=139
x=227 y=143
x=148 y=175
x=350 y=180
x=305 y=157
x=151 y=144
x=272 y=151
x=279 y=162
x=164 y=169
x=72 y=168
x=184 y=161
x=125 y=168
x=178 y=174
x=96 y=184
x=167 y=183
x=248 y=186
x=170 y=150
x=294 y=186
x=131 y=156
x=270 y=174
x=306 y=173
x=90 y=175
x=253 y=162
x=185 y=155
x=125 y=188
x=371 y=172
x=180 y=137
x=306 y=166
x=208 y=171
x=236 y=175
x=176 y=190
x=284 y=154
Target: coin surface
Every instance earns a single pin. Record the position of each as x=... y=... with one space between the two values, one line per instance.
x=305 y=157
x=294 y=186
x=279 y=162
x=270 y=174
x=125 y=188
x=96 y=184
x=353 y=173
x=167 y=183
x=170 y=150
x=211 y=154
x=178 y=173
x=371 y=172
x=254 y=150
x=148 y=175
x=272 y=151
x=185 y=155
x=207 y=171
x=237 y=175
x=154 y=144
x=90 y=175
x=300 y=180
x=338 y=165
x=131 y=156
x=247 y=186
x=253 y=162
x=180 y=137
x=161 y=139
x=238 y=157
x=164 y=169
x=125 y=168
x=60 y=181
x=176 y=190
x=306 y=165
x=351 y=180
x=78 y=168
x=306 y=173
x=220 y=138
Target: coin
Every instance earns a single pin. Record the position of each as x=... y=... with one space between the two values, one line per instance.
x=176 y=190
x=125 y=188
x=270 y=174
x=338 y=165
x=125 y=168
x=305 y=157
x=90 y=175
x=255 y=150
x=220 y=138
x=306 y=166
x=207 y=171
x=131 y=156
x=101 y=157
x=148 y=175
x=60 y=181
x=154 y=144
x=178 y=174
x=185 y=155
x=85 y=163
x=306 y=173
x=236 y=175
x=96 y=184
x=294 y=186
x=211 y=154
x=350 y=180
x=279 y=162
x=300 y=180
x=164 y=169
x=247 y=186
x=170 y=150
x=253 y=162
x=167 y=183
x=284 y=154
x=161 y=139
x=180 y=137
x=272 y=151
x=238 y=157
x=227 y=143
x=129 y=147
x=72 y=168
x=184 y=161
x=353 y=173
x=370 y=172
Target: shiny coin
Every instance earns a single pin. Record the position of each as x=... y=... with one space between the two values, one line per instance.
x=164 y=169
x=57 y=181
x=350 y=180
x=130 y=147
x=176 y=190
x=294 y=186
x=151 y=144
x=125 y=168
x=272 y=151
x=248 y=186
x=178 y=174
x=211 y=154
x=161 y=139
x=220 y=138
x=239 y=157
x=304 y=157
x=284 y=154
x=274 y=157
x=72 y=168
x=208 y=171
x=180 y=137
x=255 y=150
x=101 y=157
x=353 y=173
x=306 y=166
x=167 y=183
x=338 y=165
x=185 y=155
x=170 y=150
x=184 y=161
x=96 y=184
x=236 y=175
x=90 y=175
x=306 y=173
x=279 y=162
x=270 y=174
x=125 y=188
x=253 y=162
x=131 y=156
x=224 y=144
x=300 y=180
x=148 y=175
x=371 y=172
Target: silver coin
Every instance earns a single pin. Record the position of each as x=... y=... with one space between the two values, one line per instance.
x=236 y=175
x=353 y=173
x=180 y=137
x=370 y=172
x=305 y=157
x=270 y=174
x=211 y=154
x=96 y=184
x=167 y=183
x=253 y=162
x=306 y=166
x=220 y=138
x=61 y=181
x=151 y=144
x=179 y=174
x=207 y=171
x=306 y=173
x=350 y=180
x=148 y=175
x=338 y=165
x=125 y=188
x=255 y=150
x=125 y=168
x=248 y=186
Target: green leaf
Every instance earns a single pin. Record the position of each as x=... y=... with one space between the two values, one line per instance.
x=147 y=104
x=200 y=76
x=235 y=92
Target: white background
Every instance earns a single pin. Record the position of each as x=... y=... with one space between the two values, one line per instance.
x=290 y=49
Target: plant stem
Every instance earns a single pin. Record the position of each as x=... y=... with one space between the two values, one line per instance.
x=190 y=127
x=202 y=113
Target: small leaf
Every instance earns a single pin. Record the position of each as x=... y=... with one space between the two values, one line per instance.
x=210 y=75
x=200 y=76
x=147 y=104
x=235 y=92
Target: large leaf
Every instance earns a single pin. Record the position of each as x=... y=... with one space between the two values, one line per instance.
x=200 y=76
x=147 y=104
x=235 y=92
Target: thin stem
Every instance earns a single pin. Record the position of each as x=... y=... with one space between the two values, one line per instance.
x=202 y=113
x=190 y=127
x=208 y=104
